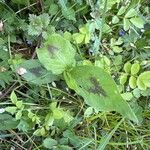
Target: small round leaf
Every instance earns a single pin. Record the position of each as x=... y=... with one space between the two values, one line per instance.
x=135 y=68
x=132 y=82
x=123 y=79
x=127 y=67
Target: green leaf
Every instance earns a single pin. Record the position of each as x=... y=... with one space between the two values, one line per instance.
x=53 y=9
x=131 y=13
x=21 y=2
x=11 y=109
x=63 y=147
x=126 y=24
x=145 y=76
x=138 y=22
x=140 y=84
x=67 y=116
x=117 y=49
x=36 y=73
x=68 y=36
x=132 y=82
x=143 y=80
x=115 y=19
x=121 y=10
x=49 y=143
x=110 y=4
x=78 y=37
x=98 y=90
x=127 y=67
x=127 y=96
x=137 y=92
x=49 y=119
x=13 y=97
x=135 y=68
x=30 y=114
x=42 y=131
x=19 y=104
x=38 y=24
x=18 y=115
x=57 y=54
x=85 y=31
x=88 y=111
x=69 y=14
x=7 y=122
x=5 y=78
x=57 y=114
x=123 y=78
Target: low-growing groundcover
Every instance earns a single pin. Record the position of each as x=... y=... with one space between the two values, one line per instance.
x=74 y=75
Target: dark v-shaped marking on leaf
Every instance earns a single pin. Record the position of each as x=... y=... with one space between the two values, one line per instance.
x=36 y=71
x=52 y=49
x=97 y=88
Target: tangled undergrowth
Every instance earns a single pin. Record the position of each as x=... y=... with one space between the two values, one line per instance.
x=74 y=75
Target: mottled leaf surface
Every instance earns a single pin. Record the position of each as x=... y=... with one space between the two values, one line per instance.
x=98 y=90
x=57 y=54
x=36 y=73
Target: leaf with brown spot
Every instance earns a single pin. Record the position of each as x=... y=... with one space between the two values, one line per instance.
x=36 y=73
x=57 y=54
x=52 y=49
x=98 y=90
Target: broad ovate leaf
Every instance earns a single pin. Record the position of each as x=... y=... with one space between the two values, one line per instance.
x=98 y=90
x=143 y=80
x=36 y=73
x=57 y=54
x=7 y=122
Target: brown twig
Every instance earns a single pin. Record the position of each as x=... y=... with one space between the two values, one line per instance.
x=10 y=89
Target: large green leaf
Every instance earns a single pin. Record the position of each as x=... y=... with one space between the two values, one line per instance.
x=36 y=73
x=98 y=90
x=57 y=54
x=7 y=122
x=143 y=80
